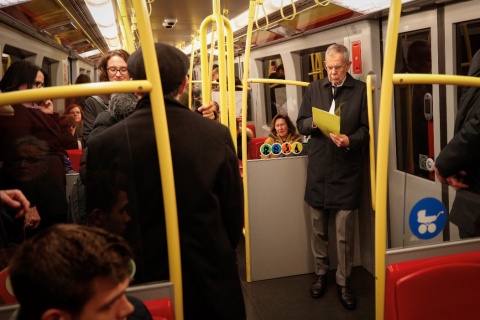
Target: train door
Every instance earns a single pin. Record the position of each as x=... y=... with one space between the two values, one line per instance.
x=415 y=142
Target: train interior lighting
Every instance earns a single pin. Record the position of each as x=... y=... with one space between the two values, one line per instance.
x=365 y=6
x=104 y=15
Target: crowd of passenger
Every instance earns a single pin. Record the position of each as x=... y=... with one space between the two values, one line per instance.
x=121 y=184
x=119 y=189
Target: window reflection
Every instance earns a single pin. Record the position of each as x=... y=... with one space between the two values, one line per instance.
x=413 y=106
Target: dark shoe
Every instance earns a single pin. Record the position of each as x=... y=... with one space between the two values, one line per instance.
x=346 y=296
x=318 y=286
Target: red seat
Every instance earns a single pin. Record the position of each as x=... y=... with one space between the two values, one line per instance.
x=253 y=148
x=6 y=294
x=160 y=309
x=75 y=155
x=436 y=288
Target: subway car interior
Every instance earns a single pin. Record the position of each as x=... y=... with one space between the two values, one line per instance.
x=256 y=59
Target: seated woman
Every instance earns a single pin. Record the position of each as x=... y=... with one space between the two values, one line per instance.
x=76 y=112
x=67 y=128
x=26 y=168
x=282 y=131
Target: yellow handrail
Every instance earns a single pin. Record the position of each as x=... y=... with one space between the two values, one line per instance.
x=370 y=89
x=164 y=154
x=279 y=81
x=414 y=78
x=382 y=157
x=226 y=90
x=76 y=90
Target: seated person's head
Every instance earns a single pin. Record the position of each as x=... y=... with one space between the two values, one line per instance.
x=72 y=272
x=282 y=126
x=174 y=66
x=107 y=207
x=67 y=123
x=27 y=160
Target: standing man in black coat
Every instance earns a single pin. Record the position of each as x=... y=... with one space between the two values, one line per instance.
x=457 y=163
x=334 y=176
x=207 y=185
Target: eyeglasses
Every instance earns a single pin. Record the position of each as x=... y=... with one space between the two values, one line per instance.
x=38 y=84
x=337 y=68
x=113 y=71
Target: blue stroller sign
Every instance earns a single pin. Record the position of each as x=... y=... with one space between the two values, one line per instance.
x=427 y=218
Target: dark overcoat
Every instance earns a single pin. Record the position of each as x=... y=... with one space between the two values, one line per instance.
x=462 y=153
x=334 y=176
x=209 y=203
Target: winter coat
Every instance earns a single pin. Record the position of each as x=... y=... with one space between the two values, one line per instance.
x=334 y=175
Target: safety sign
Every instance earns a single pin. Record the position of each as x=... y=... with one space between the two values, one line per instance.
x=427 y=218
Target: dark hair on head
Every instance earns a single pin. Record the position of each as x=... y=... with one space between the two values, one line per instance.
x=57 y=267
x=280 y=67
x=70 y=107
x=102 y=65
x=291 y=127
x=83 y=78
x=20 y=73
x=66 y=121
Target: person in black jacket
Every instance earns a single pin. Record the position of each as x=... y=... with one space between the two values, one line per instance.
x=457 y=163
x=208 y=191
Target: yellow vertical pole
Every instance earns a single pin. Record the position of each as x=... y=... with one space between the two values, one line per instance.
x=246 y=71
x=190 y=84
x=130 y=47
x=382 y=157
x=164 y=154
x=370 y=89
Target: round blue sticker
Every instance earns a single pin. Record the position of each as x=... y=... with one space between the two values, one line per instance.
x=276 y=148
x=427 y=218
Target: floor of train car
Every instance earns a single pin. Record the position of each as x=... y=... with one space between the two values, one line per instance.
x=289 y=298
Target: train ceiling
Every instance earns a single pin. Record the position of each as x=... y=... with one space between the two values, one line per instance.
x=69 y=24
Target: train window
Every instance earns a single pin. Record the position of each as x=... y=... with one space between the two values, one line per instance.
x=275 y=94
x=312 y=65
x=468 y=42
x=413 y=120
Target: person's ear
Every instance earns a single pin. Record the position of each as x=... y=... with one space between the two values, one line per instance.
x=95 y=218
x=184 y=84
x=56 y=314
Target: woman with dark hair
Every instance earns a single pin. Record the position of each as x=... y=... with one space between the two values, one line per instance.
x=112 y=67
x=76 y=112
x=282 y=130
